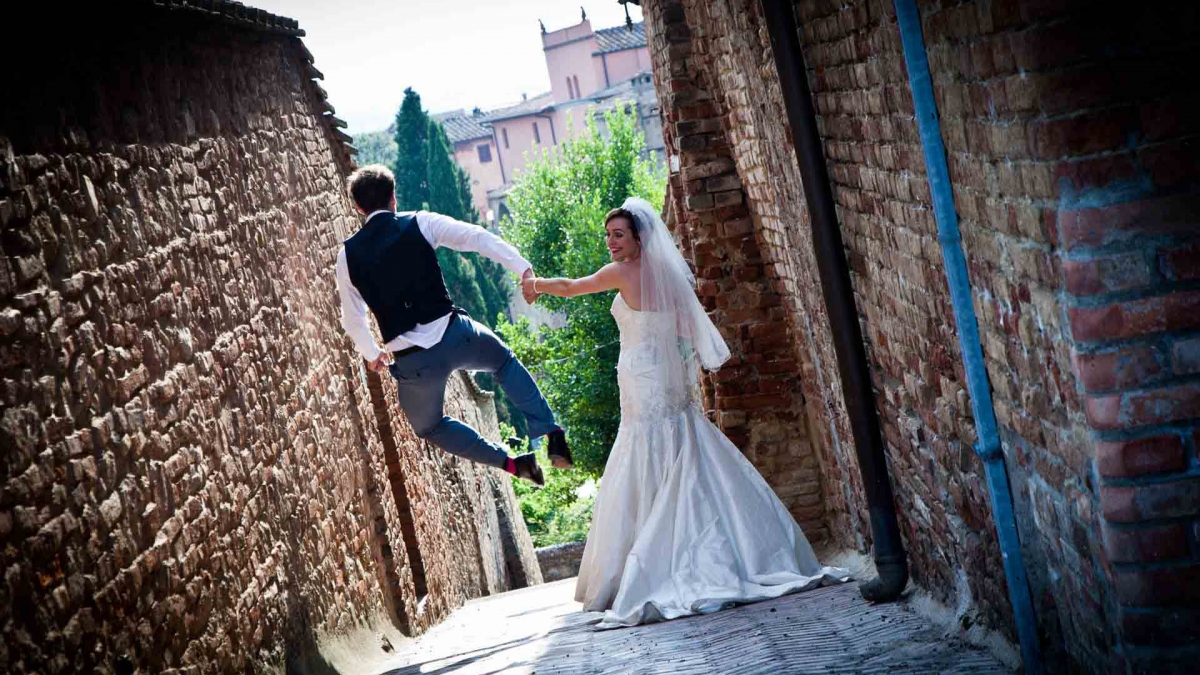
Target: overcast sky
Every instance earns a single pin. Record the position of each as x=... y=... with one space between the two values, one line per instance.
x=454 y=53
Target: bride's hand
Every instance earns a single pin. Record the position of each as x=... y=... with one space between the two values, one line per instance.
x=528 y=284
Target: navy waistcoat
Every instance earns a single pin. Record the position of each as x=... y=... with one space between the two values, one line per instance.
x=397 y=273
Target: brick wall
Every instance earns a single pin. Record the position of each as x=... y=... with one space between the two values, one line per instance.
x=1073 y=170
x=194 y=473
x=1069 y=138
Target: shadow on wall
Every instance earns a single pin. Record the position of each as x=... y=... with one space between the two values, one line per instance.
x=309 y=651
x=302 y=652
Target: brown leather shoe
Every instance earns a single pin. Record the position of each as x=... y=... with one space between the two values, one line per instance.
x=527 y=468
x=558 y=451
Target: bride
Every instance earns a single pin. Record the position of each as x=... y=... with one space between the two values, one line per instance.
x=683 y=523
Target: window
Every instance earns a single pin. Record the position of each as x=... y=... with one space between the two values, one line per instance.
x=578 y=93
x=504 y=133
x=537 y=135
x=570 y=89
x=485 y=153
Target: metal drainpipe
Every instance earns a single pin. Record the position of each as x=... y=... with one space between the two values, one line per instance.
x=949 y=237
x=890 y=562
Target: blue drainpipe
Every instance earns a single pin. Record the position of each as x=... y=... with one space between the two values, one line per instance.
x=950 y=239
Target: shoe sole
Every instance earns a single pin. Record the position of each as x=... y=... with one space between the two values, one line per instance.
x=537 y=477
x=537 y=480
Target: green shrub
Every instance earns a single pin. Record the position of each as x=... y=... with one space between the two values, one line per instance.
x=555 y=513
x=557 y=210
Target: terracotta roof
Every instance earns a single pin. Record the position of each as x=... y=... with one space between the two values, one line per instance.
x=233 y=12
x=537 y=104
x=620 y=38
x=461 y=126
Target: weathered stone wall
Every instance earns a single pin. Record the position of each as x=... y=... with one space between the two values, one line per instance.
x=462 y=517
x=193 y=471
x=1072 y=161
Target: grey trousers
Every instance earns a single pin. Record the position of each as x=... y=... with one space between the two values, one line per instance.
x=466 y=345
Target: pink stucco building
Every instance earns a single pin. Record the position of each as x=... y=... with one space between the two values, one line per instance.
x=589 y=70
x=475 y=152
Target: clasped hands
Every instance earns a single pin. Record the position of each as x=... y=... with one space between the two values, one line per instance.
x=529 y=286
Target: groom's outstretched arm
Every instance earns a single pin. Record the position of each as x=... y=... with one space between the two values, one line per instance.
x=454 y=234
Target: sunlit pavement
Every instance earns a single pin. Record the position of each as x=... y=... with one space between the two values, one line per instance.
x=830 y=630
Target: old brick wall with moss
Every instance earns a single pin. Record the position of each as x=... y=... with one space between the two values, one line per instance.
x=194 y=469
x=1072 y=152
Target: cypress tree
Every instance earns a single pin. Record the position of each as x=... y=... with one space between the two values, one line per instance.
x=441 y=175
x=412 y=129
x=464 y=193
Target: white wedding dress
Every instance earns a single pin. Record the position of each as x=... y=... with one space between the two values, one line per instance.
x=683 y=523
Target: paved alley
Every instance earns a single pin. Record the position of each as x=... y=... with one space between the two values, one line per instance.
x=830 y=630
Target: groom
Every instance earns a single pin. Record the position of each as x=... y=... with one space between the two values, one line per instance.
x=389 y=267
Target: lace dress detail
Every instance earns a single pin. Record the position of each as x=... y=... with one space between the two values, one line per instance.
x=683 y=523
x=644 y=395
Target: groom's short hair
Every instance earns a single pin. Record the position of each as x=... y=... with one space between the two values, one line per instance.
x=372 y=187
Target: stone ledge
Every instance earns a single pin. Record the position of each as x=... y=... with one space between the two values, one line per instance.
x=560 y=561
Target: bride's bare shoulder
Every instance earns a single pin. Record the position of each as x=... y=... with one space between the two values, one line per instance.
x=611 y=270
x=630 y=273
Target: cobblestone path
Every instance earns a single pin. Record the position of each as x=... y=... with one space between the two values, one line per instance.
x=831 y=630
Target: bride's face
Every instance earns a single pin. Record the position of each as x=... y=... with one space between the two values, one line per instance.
x=622 y=244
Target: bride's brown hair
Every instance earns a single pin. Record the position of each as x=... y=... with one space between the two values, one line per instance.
x=624 y=213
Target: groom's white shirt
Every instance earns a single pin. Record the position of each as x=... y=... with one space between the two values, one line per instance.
x=439 y=231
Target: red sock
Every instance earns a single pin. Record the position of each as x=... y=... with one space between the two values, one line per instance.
x=510 y=465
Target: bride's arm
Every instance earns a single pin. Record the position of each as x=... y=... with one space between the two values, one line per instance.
x=607 y=278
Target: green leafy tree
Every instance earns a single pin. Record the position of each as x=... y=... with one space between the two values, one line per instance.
x=557 y=220
x=376 y=147
x=557 y=512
